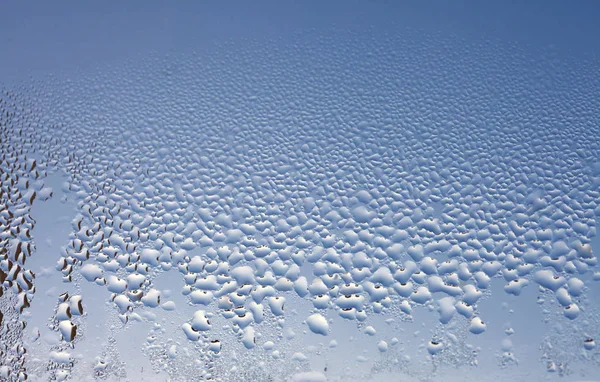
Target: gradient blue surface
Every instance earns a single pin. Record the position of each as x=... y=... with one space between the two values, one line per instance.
x=300 y=191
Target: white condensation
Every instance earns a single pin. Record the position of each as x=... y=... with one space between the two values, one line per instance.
x=318 y=324
x=334 y=203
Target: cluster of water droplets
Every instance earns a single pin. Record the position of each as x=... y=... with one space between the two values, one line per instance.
x=397 y=182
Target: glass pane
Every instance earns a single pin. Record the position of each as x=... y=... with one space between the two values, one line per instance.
x=299 y=191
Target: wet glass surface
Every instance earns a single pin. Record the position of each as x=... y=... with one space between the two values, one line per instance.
x=297 y=191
